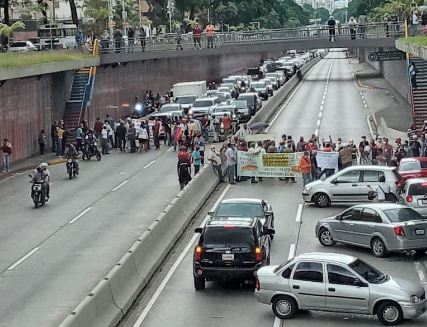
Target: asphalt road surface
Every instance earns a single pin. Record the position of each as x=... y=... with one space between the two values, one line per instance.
x=326 y=103
x=52 y=257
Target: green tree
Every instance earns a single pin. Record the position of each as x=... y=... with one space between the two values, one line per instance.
x=225 y=13
x=97 y=10
x=131 y=8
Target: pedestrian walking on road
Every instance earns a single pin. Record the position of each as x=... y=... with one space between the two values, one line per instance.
x=215 y=158
x=331 y=28
x=6 y=150
x=104 y=140
x=197 y=159
x=184 y=172
x=132 y=138
x=79 y=137
x=42 y=141
x=121 y=135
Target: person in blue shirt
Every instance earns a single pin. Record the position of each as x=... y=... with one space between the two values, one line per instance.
x=196 y=158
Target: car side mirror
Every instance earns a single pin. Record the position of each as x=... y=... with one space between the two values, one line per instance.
x=198 y=230
x=334 y=181
x=269 y=213
x=269 y=231
x=359 y=283
x=339 y=217
x=211 y=213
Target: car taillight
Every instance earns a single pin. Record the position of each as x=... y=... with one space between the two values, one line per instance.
x=398 y=230
x=409 y=198
x=258 y=254
x=198 y=251
x=257 y=284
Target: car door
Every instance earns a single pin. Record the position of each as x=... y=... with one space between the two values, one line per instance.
x=342 y=227
x=344 y=291
x=308 y=285
x=344 y=187
x=370 y=178
x=362 y=229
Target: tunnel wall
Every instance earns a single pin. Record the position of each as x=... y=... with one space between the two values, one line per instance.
x=395 y=72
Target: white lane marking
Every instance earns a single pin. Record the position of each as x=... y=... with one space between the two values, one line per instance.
x=318 y=123
x=149 y=164
x=277 y=322
x=366 y=106
x=321 y=108
x=291 y=251
x=419 y=267
x=80 y=215
x=323 y=102
x=298 y=219
x=25 y=257
x=320 y=114
x=122 y=172
x=288 y=99
x=222 y=195
x=316 y=132
x=170 y=149
x=174 y=267
x=119 y=186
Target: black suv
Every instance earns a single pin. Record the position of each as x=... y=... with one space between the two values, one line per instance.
x=230 y=248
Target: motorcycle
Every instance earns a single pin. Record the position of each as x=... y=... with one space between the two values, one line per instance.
x=38 y=192
x=92 y=150
x=71 y=168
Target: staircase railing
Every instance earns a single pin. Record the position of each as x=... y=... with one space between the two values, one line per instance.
x=89 y=85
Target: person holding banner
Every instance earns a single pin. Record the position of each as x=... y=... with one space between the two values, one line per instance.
x=305 y=168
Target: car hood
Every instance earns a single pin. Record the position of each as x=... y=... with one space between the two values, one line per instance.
x=315 y=183
x=399 y=287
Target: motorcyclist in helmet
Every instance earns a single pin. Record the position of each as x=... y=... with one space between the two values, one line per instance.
x=89 y=140
x=41 y=173
x=72 y=154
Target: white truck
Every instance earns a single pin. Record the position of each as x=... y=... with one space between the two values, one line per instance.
x=186 y=93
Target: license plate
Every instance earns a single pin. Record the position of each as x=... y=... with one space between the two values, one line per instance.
x=419 y=231
x=228 y=257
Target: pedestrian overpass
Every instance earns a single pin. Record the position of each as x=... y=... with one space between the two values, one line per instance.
x=374 y=35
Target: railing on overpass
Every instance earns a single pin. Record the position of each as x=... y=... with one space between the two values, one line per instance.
x=170 y=41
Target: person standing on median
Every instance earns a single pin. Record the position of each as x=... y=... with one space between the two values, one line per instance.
x=215 y=158
x=6 y=150
x=231 y=161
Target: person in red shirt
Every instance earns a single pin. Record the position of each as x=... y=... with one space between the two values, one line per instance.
x=98 y=127
x=184 y=155
x=226 y=122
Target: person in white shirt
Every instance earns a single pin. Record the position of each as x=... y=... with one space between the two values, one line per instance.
x=215 y=158
x=142 y=138
x=104 y=139
x=231 y=160
x=384 y=191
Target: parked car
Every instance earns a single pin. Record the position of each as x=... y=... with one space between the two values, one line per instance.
x=22 y=46
x=186 y=101
x=253 y=100
x=168 y=110
x=246 y=207
x=274 y=80
x=414 y=194
x=242 y=110
x=382 y=227
x=269 y=84
x=413 y=167
x=230 y=248
x=338 y=283
x=351 y=184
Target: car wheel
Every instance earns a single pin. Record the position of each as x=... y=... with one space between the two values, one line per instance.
x=378 y=248
x=284 y=307
x=199 y=283
x=322 y=200
x=389 y=313
x=325 y=237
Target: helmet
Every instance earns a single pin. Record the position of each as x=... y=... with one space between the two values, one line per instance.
x=43 y=165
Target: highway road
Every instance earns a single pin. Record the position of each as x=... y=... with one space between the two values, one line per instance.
x=327 y=103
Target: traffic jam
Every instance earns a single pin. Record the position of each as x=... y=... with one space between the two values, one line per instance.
x=236 y=241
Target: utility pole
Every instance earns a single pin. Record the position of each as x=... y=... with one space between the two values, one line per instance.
x=110 y=17
x=124 y=19
x=170 y=10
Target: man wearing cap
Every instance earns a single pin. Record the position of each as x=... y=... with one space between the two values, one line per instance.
x=215 y=158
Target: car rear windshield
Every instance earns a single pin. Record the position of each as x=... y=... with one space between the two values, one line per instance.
x=418 y=189
x=397 y=215
x=228 y=235
x=169 y=108
x=258 y=84
x=202 y=104
x=410 y=165
x=239 y=210
x=368 y=272
x=185 y=100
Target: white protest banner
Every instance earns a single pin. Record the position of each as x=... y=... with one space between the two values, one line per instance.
x=327 y=160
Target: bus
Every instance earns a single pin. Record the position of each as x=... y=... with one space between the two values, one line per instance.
x=57 y=36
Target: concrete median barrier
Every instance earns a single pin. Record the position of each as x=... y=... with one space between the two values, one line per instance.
x=113 y=296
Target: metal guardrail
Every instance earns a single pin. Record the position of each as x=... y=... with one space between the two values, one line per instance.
x=187 y=41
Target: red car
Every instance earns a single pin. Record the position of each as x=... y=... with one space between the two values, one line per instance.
x=412 y=168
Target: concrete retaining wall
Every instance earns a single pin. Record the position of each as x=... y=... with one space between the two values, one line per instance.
x=112 y=297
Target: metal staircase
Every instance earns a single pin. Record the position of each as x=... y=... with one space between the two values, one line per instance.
x=419 y=95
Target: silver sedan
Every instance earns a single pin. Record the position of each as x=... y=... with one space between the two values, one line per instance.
x=338 y=283
x=382 y=227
